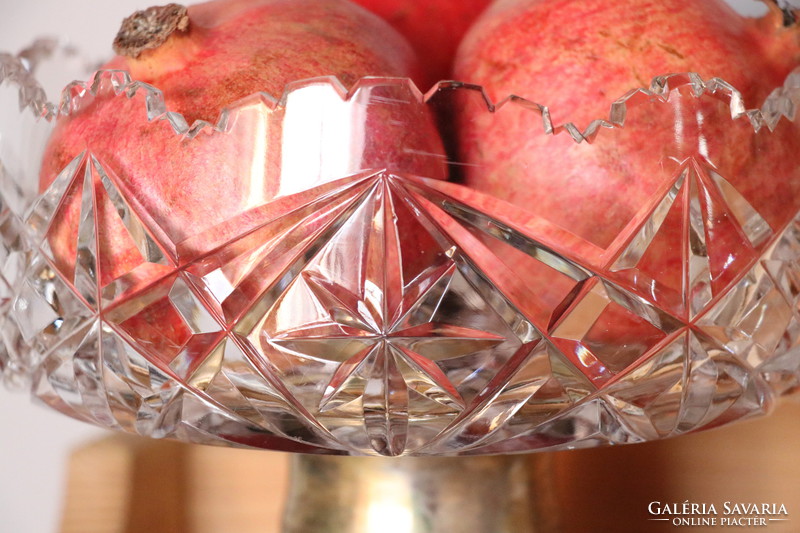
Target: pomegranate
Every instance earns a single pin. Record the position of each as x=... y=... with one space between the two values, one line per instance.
x=197 y=194
x=577 y=57
x=620 y=200
x=434 y=28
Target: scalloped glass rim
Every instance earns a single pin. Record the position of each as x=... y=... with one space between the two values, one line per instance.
x=781 y=102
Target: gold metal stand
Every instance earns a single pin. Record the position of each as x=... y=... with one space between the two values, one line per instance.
x=420 y=495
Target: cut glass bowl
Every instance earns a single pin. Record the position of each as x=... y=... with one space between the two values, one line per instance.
x=338 y=300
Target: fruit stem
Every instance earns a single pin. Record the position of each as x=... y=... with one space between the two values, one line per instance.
x=150 y=28
x=788 y=15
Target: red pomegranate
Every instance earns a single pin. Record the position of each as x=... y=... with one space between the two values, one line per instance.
x=577 y=58
x=434 y=28
x=197 y=193
x=674 y=202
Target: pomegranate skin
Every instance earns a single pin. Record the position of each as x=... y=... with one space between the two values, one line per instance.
x=434 y=28
x=263 y=184
x=231 y=50
x=577 y=58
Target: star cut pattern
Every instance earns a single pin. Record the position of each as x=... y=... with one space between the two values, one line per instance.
x=327 y=328
x=384 y=314
x=384 y=317
x=362 y=331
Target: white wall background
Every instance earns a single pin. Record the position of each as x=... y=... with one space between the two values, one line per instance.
x=34 y=442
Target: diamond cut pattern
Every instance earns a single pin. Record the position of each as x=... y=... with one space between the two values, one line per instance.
x=328 y=313
x=709 y=232
x=382 y=313
x=607 y=330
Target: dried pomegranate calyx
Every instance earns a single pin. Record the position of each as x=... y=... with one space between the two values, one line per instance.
x=150 y=28
x=788 y=14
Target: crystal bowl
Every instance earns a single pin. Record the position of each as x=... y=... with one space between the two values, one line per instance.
x=336 y=300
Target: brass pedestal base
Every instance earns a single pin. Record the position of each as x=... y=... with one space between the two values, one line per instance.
x=496 y=494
